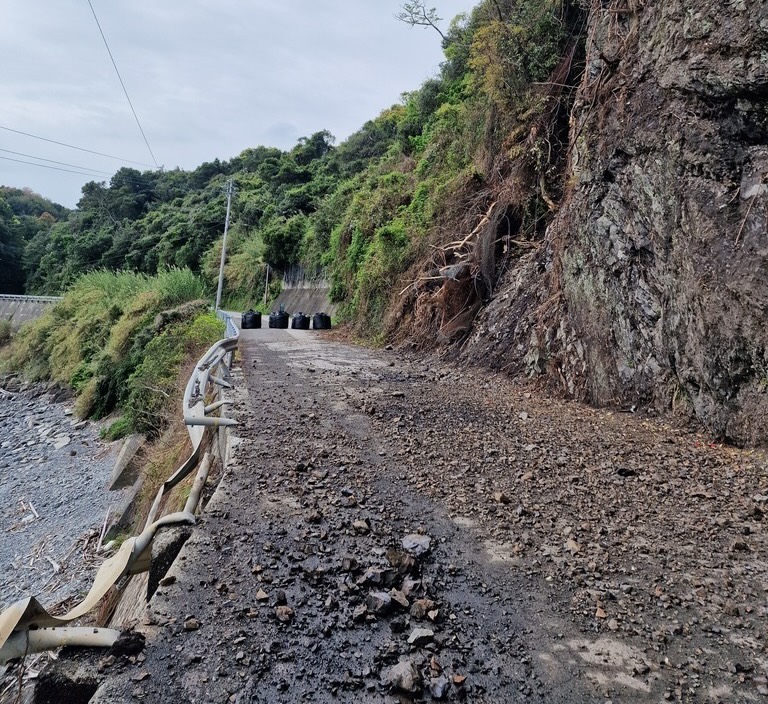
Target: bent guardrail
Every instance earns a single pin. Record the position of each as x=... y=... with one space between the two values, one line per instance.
x=26 y=627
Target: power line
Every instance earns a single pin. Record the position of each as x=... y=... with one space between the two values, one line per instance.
x=55 y=168
x=71 y=146
x=61 y=163
x=109 y=51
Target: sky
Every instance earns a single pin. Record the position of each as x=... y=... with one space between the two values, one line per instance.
x=207 y=79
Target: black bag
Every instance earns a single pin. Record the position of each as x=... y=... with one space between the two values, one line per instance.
x=278 y=320
x=321 y=321
x=250 y=320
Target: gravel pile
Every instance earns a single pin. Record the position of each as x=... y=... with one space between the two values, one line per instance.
x=654 y=533
x=53 y=497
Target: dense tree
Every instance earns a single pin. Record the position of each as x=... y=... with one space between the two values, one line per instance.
x=11 y=246
x=25 y=217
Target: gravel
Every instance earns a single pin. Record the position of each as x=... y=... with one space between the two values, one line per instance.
x=53 y=498
x=395 y=531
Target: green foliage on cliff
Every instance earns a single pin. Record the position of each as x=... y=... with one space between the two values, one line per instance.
x=118 y=339
x=366 y=210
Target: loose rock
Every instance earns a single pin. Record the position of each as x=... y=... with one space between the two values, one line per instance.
x=405 y=676
x=417 y=545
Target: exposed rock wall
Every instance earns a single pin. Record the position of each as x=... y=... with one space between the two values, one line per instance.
x=656 y=266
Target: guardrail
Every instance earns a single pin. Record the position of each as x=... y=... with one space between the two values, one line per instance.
x=26 y=627
x=30 y=299
x=232 y=329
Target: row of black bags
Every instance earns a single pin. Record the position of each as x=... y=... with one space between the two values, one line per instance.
x=251 y=320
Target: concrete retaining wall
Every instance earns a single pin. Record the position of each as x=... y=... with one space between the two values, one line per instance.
x=306 y=300
x=22 y=309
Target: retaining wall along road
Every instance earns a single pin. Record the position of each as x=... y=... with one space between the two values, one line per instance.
x=305 y=299
x=22 y=309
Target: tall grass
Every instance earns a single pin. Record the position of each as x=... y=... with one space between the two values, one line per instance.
x=110 y=333
x=177 y=286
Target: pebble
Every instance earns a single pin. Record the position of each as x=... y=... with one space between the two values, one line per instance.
x=421 y=636
x=284 y=613
x=439 y=687
x=378 y=602
x=61 y=442
x=191 y=624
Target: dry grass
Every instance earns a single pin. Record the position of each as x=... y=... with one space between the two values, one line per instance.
x=163 y=458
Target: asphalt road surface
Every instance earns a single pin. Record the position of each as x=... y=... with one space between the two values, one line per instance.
x=394 y=530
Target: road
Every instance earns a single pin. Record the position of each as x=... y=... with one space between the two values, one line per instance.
x=394 y=530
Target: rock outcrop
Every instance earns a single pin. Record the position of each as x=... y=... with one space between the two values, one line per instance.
x=656 y=265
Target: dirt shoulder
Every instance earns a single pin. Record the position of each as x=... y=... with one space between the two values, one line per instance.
x=390 y=530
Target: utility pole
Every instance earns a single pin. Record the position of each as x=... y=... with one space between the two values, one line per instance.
x=266 y=286
x=230 y=191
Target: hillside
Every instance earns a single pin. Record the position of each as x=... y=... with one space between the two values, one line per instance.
x=649 y=286
x=579 y=195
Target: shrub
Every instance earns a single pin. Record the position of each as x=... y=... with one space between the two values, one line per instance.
x=153 y=384
x=6 y=332
x=119 y=429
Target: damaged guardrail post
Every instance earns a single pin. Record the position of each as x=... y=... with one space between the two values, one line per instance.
x=215 y=406
x=26 y=627
x=213 y=421
x=23 y=643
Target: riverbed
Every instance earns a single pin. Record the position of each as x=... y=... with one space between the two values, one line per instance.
x=54 y=497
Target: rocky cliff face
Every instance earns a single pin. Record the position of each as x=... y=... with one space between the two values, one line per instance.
x=656 y=265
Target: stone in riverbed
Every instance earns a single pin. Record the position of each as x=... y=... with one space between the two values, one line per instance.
x=61 y=441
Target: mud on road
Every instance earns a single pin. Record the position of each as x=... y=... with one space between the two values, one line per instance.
x=394 y=531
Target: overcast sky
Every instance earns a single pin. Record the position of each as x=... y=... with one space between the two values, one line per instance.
x=208 y=78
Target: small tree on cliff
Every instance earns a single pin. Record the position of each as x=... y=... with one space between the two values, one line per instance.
x=416 y=14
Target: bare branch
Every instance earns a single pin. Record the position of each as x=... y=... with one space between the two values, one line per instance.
x=416 y=14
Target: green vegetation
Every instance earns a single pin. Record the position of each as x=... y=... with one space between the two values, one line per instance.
x=6 y=332
x=24 y=217
x=483 y=139
x=119 y=339
x=119 y=429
